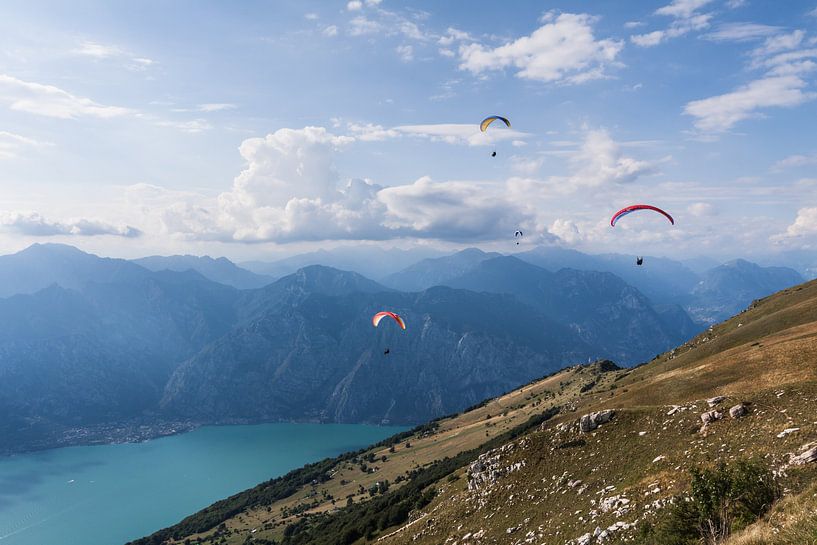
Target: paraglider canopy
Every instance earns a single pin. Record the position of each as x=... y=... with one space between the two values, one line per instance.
x=380 y=315
x=517 y=234
x=639 y=260
x=490 y=119
x=634 y=208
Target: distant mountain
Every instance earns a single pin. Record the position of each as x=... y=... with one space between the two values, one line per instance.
x=220 y=270
x=370 y=261
x=318 y=357
x=731 y=287
x=605 y=311
x=437 y=271
x=104 y=352
x=662 y=280
x=41 y=265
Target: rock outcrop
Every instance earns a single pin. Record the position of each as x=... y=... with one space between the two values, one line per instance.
x=590 y=422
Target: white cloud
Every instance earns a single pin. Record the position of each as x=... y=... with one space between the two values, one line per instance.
x=13 y=145
x=460 y=133
x=98 y=50
x=600 y=162
x=633 y=24
x=741 y=32
x=371 y=133
x=685 y=20
x=311 y=16
x=649 y=39
x=51 y=101
x=780 y=42
x=354 y=5
x=405 y=52
x=701 y=209
x=193 y=126
x=34 y=224
x=215 y=107
x=794 y=161
x=735 y=4
x=331 y=31
x=804 y=224
x=564 y=49
x=527 y=166
x=453 y=35
x=373 y=2
x=720 y=113
x=361 y=26
x=682 y=8
x=813 y=12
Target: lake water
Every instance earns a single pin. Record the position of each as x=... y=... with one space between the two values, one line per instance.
x=107 y=495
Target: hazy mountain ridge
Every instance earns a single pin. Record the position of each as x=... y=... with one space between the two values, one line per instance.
x=220 y=270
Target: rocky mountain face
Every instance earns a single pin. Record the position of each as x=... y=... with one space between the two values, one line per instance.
x=318 y=357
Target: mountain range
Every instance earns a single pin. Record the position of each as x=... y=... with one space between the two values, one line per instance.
x=713 y=441
x=87 y=340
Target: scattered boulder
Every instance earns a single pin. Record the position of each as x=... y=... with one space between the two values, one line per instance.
x=738 y=411
x=589 y=422
x=710 y=416
x=786 y=432
x=808 y=454
x=712 y=401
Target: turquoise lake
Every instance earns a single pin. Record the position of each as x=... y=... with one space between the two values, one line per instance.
x=107 y=495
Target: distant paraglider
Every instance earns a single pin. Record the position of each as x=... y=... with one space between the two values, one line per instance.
x=517 y=235
x=490 y=119
x=636 y=207
x=639 y=260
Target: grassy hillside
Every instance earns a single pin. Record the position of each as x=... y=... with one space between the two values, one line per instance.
x=518 y=470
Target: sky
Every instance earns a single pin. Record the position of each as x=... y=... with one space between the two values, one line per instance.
x=259 y=129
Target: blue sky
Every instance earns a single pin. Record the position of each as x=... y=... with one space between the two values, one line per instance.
x=257 y=129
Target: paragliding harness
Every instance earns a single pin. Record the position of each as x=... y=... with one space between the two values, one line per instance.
x=639 y=260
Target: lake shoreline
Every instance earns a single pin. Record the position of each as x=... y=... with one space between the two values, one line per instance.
x=137 y=431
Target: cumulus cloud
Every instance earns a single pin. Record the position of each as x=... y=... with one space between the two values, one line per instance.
x=720 y=113
x=291 y=191
x=805 y=224
x=51 y=101
x=685 y=20
x=564 y=49
x=34 y=224
x=13 y=145
x=601 y=162
x=354 y=5
x=330 y=31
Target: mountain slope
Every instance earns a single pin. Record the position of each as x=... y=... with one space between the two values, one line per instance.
x=220 y=270
x=518 y=469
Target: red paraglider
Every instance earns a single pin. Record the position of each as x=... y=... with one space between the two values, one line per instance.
x=635 y=207
x=380 y=315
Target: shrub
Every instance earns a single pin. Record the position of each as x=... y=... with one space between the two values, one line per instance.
x=722 y=500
